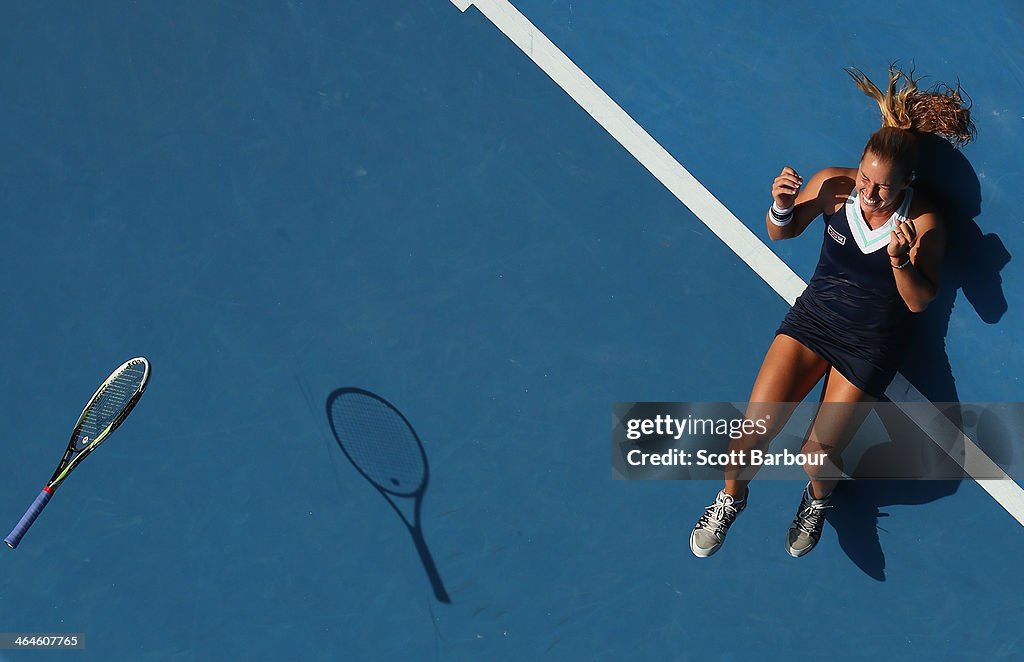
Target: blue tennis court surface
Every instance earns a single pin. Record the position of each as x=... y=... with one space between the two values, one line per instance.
x=274 y=200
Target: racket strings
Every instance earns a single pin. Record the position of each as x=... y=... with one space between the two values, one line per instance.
x=111 y=401
x=379 y=442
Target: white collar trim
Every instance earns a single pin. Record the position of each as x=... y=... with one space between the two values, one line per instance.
x=868 y=240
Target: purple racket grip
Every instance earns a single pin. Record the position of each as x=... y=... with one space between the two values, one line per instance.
x=30 y=516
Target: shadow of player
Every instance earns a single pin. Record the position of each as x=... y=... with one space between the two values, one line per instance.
x=972 y=266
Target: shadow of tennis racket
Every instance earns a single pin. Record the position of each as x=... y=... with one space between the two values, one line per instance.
x=382 y=446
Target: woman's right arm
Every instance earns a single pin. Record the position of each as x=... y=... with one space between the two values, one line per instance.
x=794 y=208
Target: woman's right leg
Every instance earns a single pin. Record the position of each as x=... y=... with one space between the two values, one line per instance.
x=788 y=373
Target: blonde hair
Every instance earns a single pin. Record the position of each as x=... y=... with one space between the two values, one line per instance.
x=941 y=110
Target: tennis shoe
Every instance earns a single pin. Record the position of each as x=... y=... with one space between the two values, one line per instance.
x=709 y=532
x=805 y=531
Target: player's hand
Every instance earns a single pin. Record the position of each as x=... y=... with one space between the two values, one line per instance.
x=785 y=187
x=901 y=239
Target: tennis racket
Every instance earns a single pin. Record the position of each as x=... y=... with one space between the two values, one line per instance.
x=382 y=446
x=109 y=405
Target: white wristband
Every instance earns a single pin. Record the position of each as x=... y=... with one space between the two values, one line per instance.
x=783 y=212
x=780 y=217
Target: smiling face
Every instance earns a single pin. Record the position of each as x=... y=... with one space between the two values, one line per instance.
x=880 y=184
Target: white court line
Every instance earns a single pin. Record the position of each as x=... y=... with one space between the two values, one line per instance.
x=709 y=210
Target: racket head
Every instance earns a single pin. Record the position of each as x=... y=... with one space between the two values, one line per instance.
x=103 y=413
x=379 y=441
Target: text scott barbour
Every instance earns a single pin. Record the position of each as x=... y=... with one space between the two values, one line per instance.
x=705 y=458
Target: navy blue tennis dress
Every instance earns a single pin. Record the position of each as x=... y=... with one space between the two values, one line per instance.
x=851 y=313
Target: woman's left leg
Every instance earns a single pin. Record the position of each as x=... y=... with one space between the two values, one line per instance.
x=837 y=421
x=842 y=410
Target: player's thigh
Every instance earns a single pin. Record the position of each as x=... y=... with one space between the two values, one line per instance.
x=843 y=409
x=788 y=373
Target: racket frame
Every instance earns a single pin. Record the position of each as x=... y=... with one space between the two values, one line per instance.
x=73 y=456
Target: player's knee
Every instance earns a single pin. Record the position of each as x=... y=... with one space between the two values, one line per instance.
x=822 y=465
x=755 y=440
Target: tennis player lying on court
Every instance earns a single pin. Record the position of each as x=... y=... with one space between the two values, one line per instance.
x=880 y=261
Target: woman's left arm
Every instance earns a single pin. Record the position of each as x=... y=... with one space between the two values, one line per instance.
x=915 y=251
